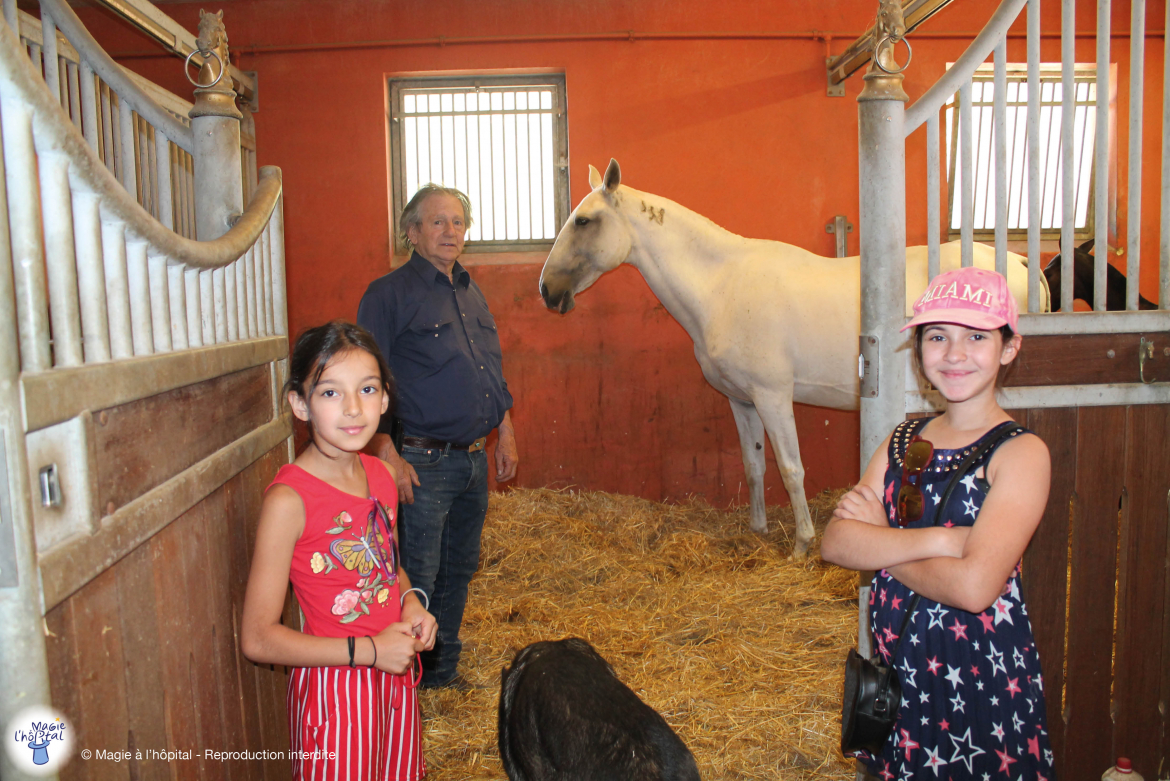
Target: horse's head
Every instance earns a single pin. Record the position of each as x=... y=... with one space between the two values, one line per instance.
x=1082 y=275
x=594 y=240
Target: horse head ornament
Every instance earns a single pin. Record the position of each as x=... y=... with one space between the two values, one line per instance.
x=595 y=239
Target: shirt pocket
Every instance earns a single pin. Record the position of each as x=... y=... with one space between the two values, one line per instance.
x=490 y=334
x=429 y=341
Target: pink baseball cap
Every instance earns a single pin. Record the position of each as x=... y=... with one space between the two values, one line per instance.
x=974 y=297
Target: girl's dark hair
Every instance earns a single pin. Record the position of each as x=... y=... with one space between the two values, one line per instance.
x=1005 y=331
x=317 y=346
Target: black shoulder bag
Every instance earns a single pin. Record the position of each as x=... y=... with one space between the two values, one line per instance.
x=872 y=694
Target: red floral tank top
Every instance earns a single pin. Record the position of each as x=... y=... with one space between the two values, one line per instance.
x=345 y=565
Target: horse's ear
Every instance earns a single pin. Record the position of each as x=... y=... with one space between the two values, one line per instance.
x=1087 y=246
x=220 y=14
x=613 y=175
x=594 y=178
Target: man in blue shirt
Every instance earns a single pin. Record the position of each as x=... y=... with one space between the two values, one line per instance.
x=432 y=323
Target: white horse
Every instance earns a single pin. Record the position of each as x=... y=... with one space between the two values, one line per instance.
x=772 y=323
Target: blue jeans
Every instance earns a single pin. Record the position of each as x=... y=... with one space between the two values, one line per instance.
x=439 y=540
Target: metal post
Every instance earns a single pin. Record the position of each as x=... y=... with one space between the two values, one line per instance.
x=24 y=673
x=999 y=117
x=1034 y=155
x=215 y=123
x=1101 y=161
x=882 y=167
x=1068 y=171
x=1137 y=60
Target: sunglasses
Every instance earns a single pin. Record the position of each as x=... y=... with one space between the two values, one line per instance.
x=911 y=501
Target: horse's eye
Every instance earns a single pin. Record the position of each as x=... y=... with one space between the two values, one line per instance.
x=582 y=220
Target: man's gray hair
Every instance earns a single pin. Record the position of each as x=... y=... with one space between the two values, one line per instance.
x=411 y=217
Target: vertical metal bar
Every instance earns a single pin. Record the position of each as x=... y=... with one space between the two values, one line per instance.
x=192 y=223
x=194 y=307
x=162 y=166
x=177 y=297
x=74 y=90
x=206 y=305
x=11 y=16
x=1033 y=152
x=279 y=299
x=1068 y=174
x=57 y=212
x=117 y=291
x=49 y=48
x=231 y=302
x=999 y=119
x=24 y=224
x=1137 y=63
x=89 y=106
x=107 y=127
x=1164 y=265
x=142 y=316
x=250 y=290
x=181 y=193
x=966 y=176
x=255 y=294
x=142 y=164
x=241 y=268
x=219 y=297
x=160 y=305
x=35 y=54
x=149 y=145
x=1101 y=160
x=91 y=276
x=266 y=257
x=933 y=207
x=126 y=149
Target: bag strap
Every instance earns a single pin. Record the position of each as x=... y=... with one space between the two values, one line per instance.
x=1005 y=429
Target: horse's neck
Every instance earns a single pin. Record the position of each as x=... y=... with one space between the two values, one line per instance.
x=678 y=252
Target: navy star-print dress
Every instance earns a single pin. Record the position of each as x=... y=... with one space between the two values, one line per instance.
x=972 y=692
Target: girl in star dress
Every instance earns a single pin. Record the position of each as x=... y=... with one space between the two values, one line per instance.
x=972 y=690
x=328 y=525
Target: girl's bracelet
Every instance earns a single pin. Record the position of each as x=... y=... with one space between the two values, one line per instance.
x=375 y=662
x=423 y=594
x=350 y=642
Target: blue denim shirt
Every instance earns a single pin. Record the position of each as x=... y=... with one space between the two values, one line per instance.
x=443 y=348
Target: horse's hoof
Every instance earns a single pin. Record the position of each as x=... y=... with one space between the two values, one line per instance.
x=800 y=550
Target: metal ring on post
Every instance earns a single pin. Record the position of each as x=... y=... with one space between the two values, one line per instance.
x=893 y=42
x=212 y=52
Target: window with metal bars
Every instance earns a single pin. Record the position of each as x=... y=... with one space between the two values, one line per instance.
x=502 y=140
x=1016 y=121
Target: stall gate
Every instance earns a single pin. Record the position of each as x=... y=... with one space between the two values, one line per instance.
x=142 y=350
x=1095 y=385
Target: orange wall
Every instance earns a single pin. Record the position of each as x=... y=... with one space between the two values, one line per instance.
x=610 y=396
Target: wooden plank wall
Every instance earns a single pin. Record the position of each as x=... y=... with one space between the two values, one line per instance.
x=147 y=655
x=1097 y=587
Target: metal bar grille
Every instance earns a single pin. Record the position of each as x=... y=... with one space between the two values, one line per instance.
x=1049 y=144
x=496 y=143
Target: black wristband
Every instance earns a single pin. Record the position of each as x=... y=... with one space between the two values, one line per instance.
x=350 y=641
x=375 y=662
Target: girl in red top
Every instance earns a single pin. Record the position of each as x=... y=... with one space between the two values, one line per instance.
x=328 y=526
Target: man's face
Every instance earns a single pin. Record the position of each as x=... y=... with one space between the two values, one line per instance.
x=439 y=235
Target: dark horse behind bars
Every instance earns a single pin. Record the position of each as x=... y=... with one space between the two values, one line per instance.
x=564 y=715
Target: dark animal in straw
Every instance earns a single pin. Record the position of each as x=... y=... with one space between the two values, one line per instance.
x=564 y=715
x=1083 y=281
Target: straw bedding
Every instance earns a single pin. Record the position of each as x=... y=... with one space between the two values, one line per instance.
x=739 y=649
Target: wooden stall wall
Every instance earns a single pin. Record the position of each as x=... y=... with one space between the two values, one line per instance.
x=146 y=657
x=1103 y=628
x=736 y=128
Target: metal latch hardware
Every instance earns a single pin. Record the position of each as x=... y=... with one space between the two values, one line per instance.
x=867 y=366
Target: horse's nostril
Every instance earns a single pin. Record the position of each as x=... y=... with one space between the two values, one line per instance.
x=544 y=291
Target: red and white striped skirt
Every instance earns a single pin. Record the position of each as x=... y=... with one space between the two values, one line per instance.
x=354 y=724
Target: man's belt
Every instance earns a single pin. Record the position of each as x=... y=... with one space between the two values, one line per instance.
x=438 y=444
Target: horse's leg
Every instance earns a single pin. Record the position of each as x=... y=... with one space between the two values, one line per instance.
x=776 y=413
x=751 y=445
